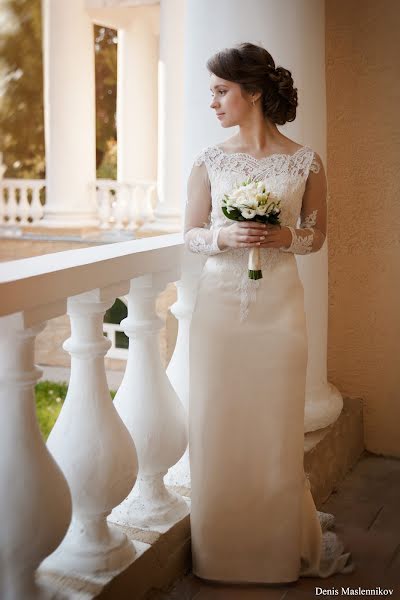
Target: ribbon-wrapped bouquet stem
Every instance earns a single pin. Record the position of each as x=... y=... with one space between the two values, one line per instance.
x=249 y=201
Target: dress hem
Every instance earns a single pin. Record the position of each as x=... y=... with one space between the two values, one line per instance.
x=244 y=582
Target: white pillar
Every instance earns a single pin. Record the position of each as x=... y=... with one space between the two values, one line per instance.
x=294 y=33
x=170 y=122
x=178 y=368
x=92 y=446
x=151 y=411
x=35 y=499
x=69 y=112
x=137 y=98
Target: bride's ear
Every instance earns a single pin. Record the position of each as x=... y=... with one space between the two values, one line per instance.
x=255 y=96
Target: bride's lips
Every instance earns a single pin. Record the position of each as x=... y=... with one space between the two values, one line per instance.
x=220 y=115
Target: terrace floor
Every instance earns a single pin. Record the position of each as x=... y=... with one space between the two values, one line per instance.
x=367 y=509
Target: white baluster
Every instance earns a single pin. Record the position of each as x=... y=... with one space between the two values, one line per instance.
x=139 y=203
x=92 y=446
x=151 y=410
x=147 y=212
x=133 y=213
x=36 y=206
x=12 y=206
x=178 y=368
x=104 y=207
x=34 y=497
x=23 y=205
x=121 y=206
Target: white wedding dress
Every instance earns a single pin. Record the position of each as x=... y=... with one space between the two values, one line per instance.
x=253 y=518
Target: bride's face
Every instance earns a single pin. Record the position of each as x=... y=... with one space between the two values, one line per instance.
x=231 y=105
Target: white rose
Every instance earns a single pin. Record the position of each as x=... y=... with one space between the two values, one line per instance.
x=261 y=210
x=248 y=213
x=236 y=193
x=251 y=203
x=251 y=197
x=260 y=186
x=251 y=186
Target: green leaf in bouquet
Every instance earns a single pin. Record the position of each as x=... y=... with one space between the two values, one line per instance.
x=233 y=214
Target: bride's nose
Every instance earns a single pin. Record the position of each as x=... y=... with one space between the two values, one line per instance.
x=213 y=103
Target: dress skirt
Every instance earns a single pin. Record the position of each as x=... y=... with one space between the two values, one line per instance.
x=246 y=427
x=253 y=518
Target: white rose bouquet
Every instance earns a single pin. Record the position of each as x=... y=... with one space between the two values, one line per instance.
x=249 y=201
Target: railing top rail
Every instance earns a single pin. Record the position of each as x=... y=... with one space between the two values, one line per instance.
x=22 y=182
x=41 y=280
x=99 y=182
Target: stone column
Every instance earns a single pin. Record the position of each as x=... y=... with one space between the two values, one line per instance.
x=170 y=123
x=210 y=26
x=69 y=113
x=137 y=97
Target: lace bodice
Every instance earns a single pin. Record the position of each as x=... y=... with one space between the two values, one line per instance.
x=298 y=180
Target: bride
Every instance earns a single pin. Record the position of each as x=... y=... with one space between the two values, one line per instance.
x=253 y=518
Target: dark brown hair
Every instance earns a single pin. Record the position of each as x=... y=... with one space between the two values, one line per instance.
x=254 y=69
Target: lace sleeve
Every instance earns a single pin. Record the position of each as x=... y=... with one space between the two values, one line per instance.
x=310 y=236
x=198 y=235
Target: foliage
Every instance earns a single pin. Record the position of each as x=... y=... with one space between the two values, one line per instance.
x=50 y=398
x=108 y=166
x=106 y=93
x=21 y=108
x=21 y=102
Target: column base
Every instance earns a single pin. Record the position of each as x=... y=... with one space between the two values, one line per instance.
x=85 y=559
x=166 y=221
x=179 y=474
x=134 y=512
x=163 y=225
x=69 y=220
x=323 y=407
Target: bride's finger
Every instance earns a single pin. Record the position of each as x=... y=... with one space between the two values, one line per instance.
x=271 y=241
x=252 y=238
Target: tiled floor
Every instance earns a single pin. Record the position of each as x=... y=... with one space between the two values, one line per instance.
x=367 y=510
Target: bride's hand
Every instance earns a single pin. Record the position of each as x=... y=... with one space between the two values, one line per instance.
x=242 y=234
x=277 y=236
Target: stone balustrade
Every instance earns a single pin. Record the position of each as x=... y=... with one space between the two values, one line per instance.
x=66 y=504
x=20 y=201
x=119 y=205
x=124 y=205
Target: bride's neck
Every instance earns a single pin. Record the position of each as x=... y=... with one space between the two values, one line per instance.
x=258 y=135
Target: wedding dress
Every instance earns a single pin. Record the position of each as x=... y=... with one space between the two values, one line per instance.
x=253 y=518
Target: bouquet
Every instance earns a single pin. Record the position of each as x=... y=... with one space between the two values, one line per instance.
x=249 y=201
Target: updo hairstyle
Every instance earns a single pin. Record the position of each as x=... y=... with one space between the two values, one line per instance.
x=253 y=68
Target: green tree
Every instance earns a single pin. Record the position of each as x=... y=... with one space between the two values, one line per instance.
x=106 y=95
x=21 y=104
